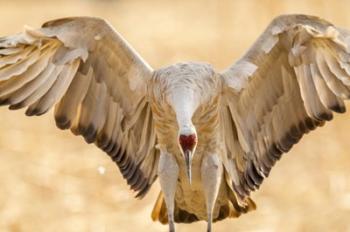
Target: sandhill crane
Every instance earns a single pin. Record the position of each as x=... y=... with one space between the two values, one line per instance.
x=211 y=137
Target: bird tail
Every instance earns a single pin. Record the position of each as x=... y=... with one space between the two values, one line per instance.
x=231 y=210
x=159 y=213
x=238 y=205
x=237 y=209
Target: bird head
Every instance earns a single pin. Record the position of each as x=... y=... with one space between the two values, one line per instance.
x=188 y=143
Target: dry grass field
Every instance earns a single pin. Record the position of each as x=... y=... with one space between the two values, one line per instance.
x=49 y=179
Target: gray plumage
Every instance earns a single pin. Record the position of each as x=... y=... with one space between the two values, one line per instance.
x=211 y=137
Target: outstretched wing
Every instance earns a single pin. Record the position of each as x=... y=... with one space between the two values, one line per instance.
x=97 y=83
x=290 y=82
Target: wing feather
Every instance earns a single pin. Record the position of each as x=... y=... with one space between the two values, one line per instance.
x=9 y=52
x=98 y=88
x=19 y=67
x=298 y=76
x=50 y=78
x=331 y=80
x=31 y=73
x=29 y=88
x=56 y=91
x=327 y=97
x=67 y=108
x=16 y=57
x=105 y=135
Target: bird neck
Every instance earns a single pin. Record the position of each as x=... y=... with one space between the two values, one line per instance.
x=184 y=105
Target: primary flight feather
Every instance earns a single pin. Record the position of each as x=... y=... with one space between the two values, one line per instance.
x=211 y=137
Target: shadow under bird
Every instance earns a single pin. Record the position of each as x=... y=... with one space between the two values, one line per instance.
x=210 y=137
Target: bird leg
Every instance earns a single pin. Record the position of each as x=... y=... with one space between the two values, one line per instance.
x=168 y=171
x=211 y=173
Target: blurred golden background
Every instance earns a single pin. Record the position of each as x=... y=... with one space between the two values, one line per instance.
x=51 y=180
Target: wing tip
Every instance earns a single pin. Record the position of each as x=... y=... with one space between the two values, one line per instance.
x=62 y=122
x=142 y=193
x=338 y=108
x=5 y=101
x=32 y=111
x=17 y=106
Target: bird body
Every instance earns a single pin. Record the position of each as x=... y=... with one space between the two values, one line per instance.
x=173 y=89
x=209 y=137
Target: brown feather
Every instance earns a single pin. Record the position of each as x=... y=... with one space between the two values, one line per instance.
x=96 y=85
x=298 y=75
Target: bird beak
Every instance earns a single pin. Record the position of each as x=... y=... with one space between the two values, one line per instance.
x=188 y=160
